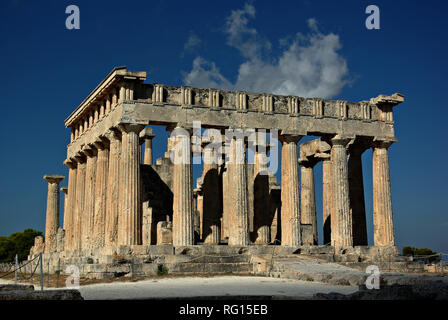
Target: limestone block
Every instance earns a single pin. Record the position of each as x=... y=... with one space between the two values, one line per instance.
x=164 y=232
x=307 y=234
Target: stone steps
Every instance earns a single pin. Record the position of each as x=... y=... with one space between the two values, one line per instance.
x=203 y=268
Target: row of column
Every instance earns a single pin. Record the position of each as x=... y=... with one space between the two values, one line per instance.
x=104 y=208
x=103 y=201
x=344 y=217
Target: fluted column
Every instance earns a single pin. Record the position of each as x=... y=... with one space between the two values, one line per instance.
x=357 y=203
x=89 y=199
x=69 y=206
x=239 y=213
x=101 y=181
x=52 y=214
x=307 y=196
x=146 y=135
x=342 y=234
x=290 y=210
x=327 y=200
x=113 y=187
x=383 y=223
x=261 y=192
x=183 y=224
x=79 y=205
x=129 y=218
x=211 y=231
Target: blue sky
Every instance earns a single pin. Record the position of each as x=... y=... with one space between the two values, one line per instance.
x=48 y=70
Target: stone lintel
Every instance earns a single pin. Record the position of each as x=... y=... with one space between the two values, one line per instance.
x=54 y=178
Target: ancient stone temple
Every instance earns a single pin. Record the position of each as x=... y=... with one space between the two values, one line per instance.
x=118 y=197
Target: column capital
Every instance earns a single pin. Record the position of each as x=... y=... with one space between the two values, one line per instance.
x=110 y=135
x=383 y=143
x=54 y=178
x=89 y=150
x=64 y=189
x=131 y=127
x=286 y=137
x=100 y=145
x=80 y=157
x=341 y=140
x=70 y=163
x=147 y=133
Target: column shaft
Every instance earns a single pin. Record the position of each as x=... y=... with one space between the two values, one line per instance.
x=89 y=198
x=148 y=152
x=70 y=208
x=239 y=214
x=342 y=235
x=183 y=224
x=290 y=210
x=101 y=181
x=129 y=223
x=382 y=198
x=52 y=213
x=112 y=190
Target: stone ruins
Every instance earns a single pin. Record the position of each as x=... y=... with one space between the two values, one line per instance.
x=118 y=197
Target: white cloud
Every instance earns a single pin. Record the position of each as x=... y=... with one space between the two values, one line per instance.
x=309 y=65
x=193 y=41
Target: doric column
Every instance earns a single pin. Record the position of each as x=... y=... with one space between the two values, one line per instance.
x=89 y=199
x=112 y=190
x=79 y=204
x=327 y=199
x=211 y=232
x=238 y=195
x=382 y=197
x=146 y=135
x=261 y=192
x=290 y=210
x=356 y=186
x=129 y=218
x=239 y=210
x=342 y=234
x=101 y=181
x=307 y=196
x=52 y=216
x=69 y=206
x=183 y=224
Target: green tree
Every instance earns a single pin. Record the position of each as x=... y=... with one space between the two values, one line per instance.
x=6 y=249
x=420 y=254
x=18 y=243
